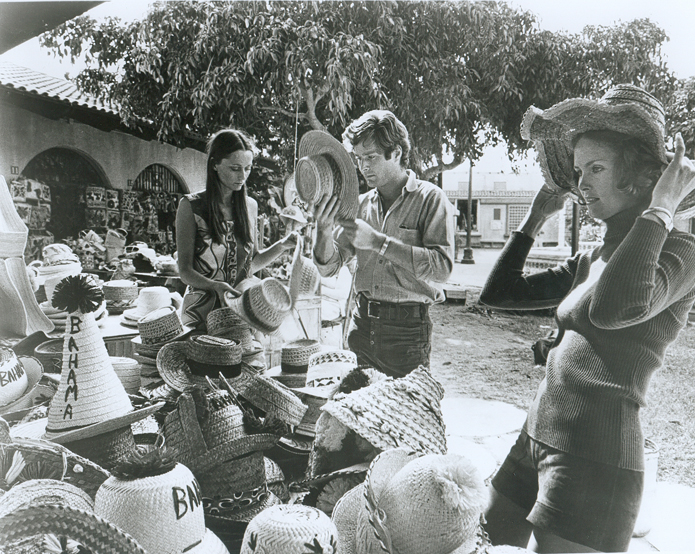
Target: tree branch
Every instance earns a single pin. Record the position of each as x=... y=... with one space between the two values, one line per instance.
x=431 y=172
x=310 y=115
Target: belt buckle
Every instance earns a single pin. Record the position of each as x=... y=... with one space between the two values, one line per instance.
x=371 y=303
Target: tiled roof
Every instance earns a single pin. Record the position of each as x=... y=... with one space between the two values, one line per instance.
x=491 y=193
x=27 y=80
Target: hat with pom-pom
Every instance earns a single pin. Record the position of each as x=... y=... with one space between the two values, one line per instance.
x=410 y=504
x=159 y=503
x=90 y=400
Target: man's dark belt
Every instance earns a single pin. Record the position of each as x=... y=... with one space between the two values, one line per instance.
x=390 y=310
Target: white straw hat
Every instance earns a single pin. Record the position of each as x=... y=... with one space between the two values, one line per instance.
x=326 y=370
x=264 y=306
x=163 y=512
x=290 y=529
x=19 y=381
x=44 y=491
x=324 y=166
x=304 y=275
x=410 y=504
x=149 y=300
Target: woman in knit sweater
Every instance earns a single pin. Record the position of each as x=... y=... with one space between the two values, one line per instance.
x=575 y=476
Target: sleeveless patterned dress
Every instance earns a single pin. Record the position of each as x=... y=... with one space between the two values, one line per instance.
x=229 y=261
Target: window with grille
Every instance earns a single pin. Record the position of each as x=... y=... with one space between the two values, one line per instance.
x=514 y=216
x=156 y=177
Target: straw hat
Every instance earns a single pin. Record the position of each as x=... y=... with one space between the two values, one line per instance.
x=128 y=372
x=205 y=443
x=263 y=306
x=157 y=328
x=293 y=529
x=294 y=362
x=624 y=108
x=90 y=400
x=270 y=396
x=395 y=412
x=324 y=166
x=44 y=491
x=226 y=323
x=326 y=370
x=304 y=276
x=149 y=300
x=162 y=511
x=410 y=504
x=276 y=479
x=185 y=365
x=292 y=213
x=19 y=381
x=120 y=295
x=58 y=254
x=237 y=490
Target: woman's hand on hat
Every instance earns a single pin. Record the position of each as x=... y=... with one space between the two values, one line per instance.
x=325 y=212
x=222 y=288
x=549 y=201
x=676 y=181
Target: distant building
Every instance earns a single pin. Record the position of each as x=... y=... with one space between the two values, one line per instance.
x=499 y=203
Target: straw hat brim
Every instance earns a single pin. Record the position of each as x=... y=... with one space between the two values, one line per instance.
x=44 y=491
x=102 y=427
x=237 y=304
x=345 y=514
x=320 y=480
x=183 y=334
x=246 y=515
x=315 y=143
x=93 y=532
x=34 y=371
x=174 y=369
x=290 y=380
x=327 y=391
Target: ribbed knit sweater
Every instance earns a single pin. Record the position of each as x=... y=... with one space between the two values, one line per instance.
x=618 y=308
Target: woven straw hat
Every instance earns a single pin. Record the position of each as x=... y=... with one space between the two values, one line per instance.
x=237 y=490
x=264 y=306
x=324 y=166
x=32 y=371
x=164 y=513
x=128 y=372
x=294 y=362
x=44 y=491
x=149 y=300
x=410 y=504
x=304 y=275
x=270 y=396
x=624 y=108
x=326 y=370
x=395 y=412
x=157 y=328
x=58 y=254
x=226 y=323
x=185 y=365
x=204 y=445
x=120 y=290
x=293 y=529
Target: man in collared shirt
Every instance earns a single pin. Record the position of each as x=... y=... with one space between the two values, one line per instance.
x=403 y=239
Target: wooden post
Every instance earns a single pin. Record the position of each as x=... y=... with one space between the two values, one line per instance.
x=468 y=250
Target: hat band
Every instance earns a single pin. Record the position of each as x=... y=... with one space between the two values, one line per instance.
x=289 y=368
x=213 y=370
x=237 y=503
x=165 y=337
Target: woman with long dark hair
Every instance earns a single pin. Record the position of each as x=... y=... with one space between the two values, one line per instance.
x=215 y=230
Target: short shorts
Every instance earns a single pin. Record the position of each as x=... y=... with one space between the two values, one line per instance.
x=577 y=499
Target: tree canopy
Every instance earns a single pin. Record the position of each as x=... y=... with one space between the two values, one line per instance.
x=458 y=74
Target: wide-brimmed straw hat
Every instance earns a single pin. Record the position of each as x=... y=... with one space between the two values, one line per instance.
x=203 y=443
x=410 y=504
x=326 y=370
x=624 y=108
x=149 y=299
x=304 y=275
x=185 y=365
x=226 y=323
x=162 y=511
x=44 y=491
x=294 y=362
x=324 y=166
x=237 y=490
x=33 y=369
x=291 y=529
x=391 y=413
x=264 y=305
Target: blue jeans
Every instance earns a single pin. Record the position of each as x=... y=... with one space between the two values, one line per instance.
x=393 y=346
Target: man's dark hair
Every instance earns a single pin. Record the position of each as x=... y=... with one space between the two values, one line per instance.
x=384 y=128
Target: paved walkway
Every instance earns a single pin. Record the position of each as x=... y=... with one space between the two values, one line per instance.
x=484 y=431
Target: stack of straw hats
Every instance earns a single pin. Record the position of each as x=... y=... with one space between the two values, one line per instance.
x=410 y=504
x=149 y=299
x=91 y=412
x=188 y=364
x=264 y=305
x=325 y=167
x=120 y=295
x=58 y=262
x=294 y=362
x=157 y=328
x=226 y=323
x=293 y=529
x=160 y=506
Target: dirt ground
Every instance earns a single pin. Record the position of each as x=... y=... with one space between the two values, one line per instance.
x=485 y=354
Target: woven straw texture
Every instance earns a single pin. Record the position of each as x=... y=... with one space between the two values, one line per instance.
x=395 y=412
x=11 y=390
x=297 y=353
x=50 y=354
x=326 y=167
x=169 y=515
x=44 y=491
x=160 y=326
x=276 y=480
x=222 y=320
x=221 y=437
x=120 y=290
x=290 y=380
x=329 y=368
x=304 y=275
x=290 y=529
x=128 y=371
x=263 y=306
x=95 y=533
x=149 y=300
x=106 y=449
x=427 y=504
x=273 y=398
x=89 y=391
x=207 y=349
x=307 y=426
x=32 y=458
